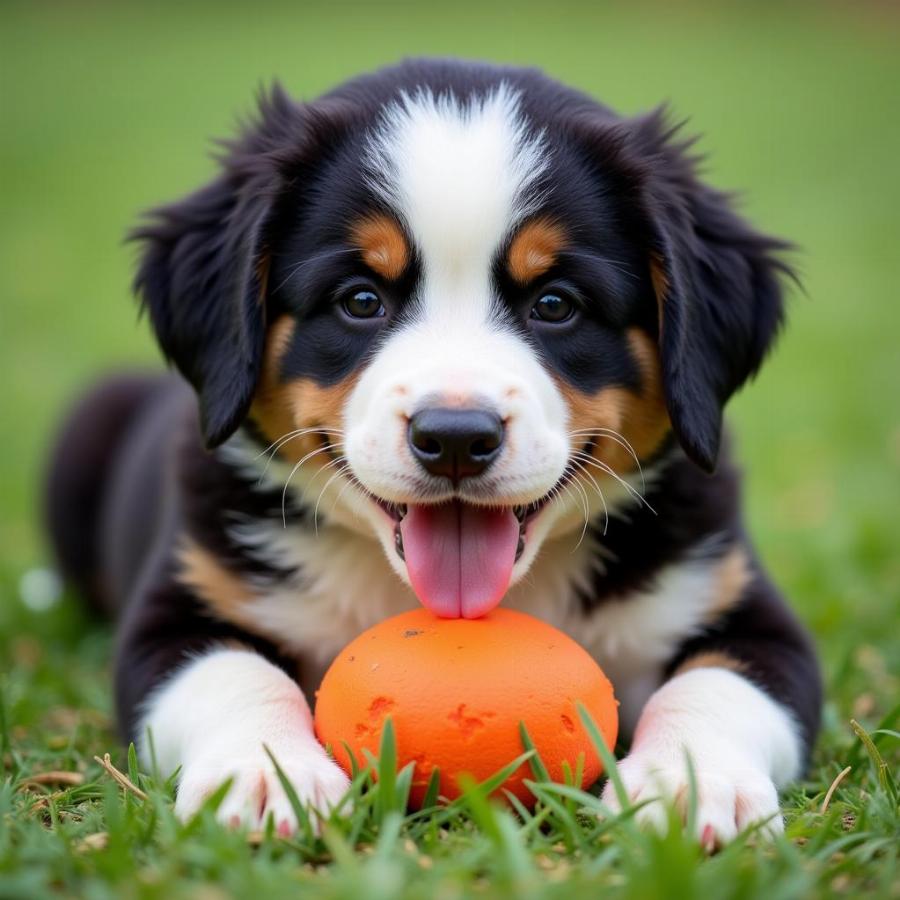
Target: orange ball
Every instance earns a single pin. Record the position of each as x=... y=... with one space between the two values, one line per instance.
x=456 y=691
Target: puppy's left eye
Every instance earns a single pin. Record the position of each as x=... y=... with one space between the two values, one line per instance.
x=363 y=305
x=553 y=308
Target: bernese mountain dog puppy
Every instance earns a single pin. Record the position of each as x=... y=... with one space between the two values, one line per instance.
x=452 y=334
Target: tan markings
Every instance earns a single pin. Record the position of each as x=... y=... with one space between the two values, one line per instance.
x=534 y=250
x=639 y=417
x=382 y=244
x=660 y=282
x=223 y=591
x=263 y=265
x=281 y=407
x=732 y=577
x=658 y=278
x=269 y=408
x=711 y=659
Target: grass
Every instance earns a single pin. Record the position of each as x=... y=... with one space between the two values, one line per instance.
x=106 y=109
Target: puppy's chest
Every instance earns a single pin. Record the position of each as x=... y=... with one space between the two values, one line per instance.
x=343 y=585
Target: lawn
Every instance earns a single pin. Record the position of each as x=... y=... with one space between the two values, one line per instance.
x=108 y=108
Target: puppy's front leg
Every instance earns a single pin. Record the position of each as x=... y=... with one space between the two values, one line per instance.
x=743 y=704
x=742 y=745
x=215 y=716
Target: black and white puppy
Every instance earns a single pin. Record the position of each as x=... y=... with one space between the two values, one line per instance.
x=454 y=334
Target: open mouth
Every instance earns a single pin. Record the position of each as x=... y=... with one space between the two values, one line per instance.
x=460 y=556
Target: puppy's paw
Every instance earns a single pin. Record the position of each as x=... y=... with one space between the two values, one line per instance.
x=730 y=796
x=256 y=791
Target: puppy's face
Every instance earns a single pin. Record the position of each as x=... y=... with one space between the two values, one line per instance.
x=470 y=334
x=459 y=349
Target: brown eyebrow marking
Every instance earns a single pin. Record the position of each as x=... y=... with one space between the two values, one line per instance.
x=534 y=249
x=382 y=244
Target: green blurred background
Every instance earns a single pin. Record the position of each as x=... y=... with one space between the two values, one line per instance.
x=108 y=108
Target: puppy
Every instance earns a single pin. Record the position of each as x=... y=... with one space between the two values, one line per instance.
x=451 y=334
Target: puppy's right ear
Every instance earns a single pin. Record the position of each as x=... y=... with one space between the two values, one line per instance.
x=202 y=274
x=202 y=281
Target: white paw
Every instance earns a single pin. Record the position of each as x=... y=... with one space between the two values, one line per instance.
x=256 y=791
x=730 y=796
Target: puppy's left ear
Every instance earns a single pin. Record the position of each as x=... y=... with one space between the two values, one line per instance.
x=202 y=280
x=204 y=263
x=718 y=285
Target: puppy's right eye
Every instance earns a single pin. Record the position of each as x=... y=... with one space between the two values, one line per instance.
x=363 y=304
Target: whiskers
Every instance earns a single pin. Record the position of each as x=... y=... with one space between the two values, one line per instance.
x=581 y=463
x=275 y=446
x=331 y=442
x=580 y=488
x=597 y=433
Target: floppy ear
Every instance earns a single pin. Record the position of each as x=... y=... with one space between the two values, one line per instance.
x=718 y=283
x=202 y=281
x=202 y=275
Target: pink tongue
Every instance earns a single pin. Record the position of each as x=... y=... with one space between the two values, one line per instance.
x=459 y=557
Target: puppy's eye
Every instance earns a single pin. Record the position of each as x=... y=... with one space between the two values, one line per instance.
x=553 y=308
x=363 y=305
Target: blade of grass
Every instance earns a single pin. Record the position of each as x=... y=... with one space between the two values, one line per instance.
x=403 y=786
x=134 y=773
x=154 y=763
x=387 y=772
x=300 y=812
x=606 y=756
x=493 y=782
x=878 y=763
x=521 y=810
x=389 y=835
x=538 y=769
x=499 y=828
x=341 y=851
x=209 y=805
x=354 y=764
x=690 y=817
x=432 y=791
x=564 y=820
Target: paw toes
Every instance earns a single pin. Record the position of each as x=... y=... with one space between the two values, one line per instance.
x=756 y=806
x=256 y=792
x=725 y=806
x=715 y=822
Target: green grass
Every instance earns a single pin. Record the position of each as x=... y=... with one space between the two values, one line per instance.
x=106 y=109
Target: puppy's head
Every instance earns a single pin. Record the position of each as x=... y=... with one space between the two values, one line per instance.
x=468 y=303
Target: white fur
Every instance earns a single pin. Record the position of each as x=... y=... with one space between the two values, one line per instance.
x=345 y=586
x=461 y=176
x=215 y=716
x=741 y=743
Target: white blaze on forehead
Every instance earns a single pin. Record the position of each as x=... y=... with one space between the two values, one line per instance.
x=459 y=174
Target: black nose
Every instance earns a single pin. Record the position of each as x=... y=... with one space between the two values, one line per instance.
x=455 y=443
